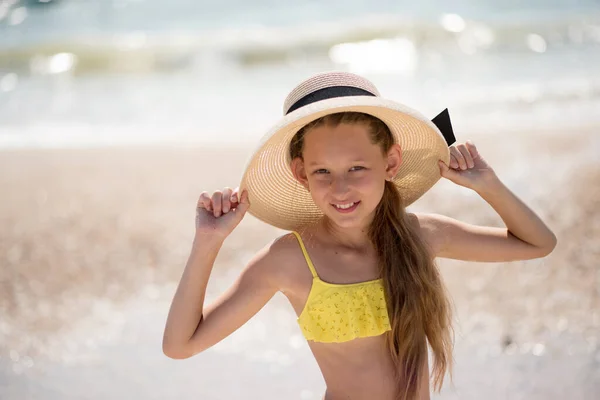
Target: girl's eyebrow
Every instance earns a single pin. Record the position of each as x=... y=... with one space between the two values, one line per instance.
x=315 y=163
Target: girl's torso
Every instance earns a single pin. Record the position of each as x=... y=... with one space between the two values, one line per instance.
x=356 y=368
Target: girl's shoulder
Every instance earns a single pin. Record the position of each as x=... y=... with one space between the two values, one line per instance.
x=431 y=228
x=284 y=260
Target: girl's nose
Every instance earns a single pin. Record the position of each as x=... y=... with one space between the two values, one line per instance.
x=339 y=186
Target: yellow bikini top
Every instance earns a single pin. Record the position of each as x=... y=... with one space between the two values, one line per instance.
x=336 y=313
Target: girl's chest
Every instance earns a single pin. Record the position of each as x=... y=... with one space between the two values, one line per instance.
x=339 y=268
x=330 y=269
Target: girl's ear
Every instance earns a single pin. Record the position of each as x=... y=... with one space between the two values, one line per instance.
x=394 y=160
x=299 y=172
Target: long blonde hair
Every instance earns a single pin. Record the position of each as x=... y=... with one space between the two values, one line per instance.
x=418 y=306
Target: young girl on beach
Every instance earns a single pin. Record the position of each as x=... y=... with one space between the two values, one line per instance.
x=338 y=171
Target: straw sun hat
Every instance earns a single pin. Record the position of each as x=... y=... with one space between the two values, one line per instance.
x=279 y=200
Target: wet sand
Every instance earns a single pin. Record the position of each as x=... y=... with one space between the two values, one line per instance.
x=93 y=242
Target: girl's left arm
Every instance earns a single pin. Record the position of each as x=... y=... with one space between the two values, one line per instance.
x=526 y=236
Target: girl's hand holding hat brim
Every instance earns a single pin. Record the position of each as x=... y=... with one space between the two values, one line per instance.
x=467 y=168
x=218 y=214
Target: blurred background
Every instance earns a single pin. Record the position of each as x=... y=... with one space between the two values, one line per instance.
x=116 y=114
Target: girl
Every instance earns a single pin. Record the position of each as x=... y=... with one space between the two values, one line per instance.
x=338 y=171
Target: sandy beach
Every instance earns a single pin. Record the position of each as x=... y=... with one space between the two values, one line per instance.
x=93 y=242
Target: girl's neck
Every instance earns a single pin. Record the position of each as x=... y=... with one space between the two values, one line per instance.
x=352 y=238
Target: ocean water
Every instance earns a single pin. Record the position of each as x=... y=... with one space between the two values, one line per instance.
x=81 y=73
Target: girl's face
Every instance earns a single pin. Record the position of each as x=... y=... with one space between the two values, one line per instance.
x=345 y=172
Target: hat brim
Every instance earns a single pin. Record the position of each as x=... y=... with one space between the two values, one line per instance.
x=279 y=200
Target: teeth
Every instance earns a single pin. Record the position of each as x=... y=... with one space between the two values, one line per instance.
x=344 y=206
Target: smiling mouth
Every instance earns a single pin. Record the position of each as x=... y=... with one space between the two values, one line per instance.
x=346 y=207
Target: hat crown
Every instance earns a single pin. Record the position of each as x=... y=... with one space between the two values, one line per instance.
x=327 y=80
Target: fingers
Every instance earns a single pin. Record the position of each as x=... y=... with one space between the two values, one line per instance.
x=446 y=171
x=217 y=203
x=461 y=157
x=472 y=149
x=234 y=196
x=226 y=200
x=466 y=155
x=221 y=202
x=453 y=160
x=204 y=201
x=244 y=201
x=458 y=161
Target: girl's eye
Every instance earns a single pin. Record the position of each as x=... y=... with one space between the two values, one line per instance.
x=324 y=171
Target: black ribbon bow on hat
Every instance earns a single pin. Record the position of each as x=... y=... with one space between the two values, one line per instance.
x=442 y=121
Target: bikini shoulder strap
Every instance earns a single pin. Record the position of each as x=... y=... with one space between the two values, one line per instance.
x=306 y=257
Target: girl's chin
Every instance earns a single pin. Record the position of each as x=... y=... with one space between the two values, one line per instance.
x=347 y=220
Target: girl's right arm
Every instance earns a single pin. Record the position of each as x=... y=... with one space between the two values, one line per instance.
x=191 y=327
